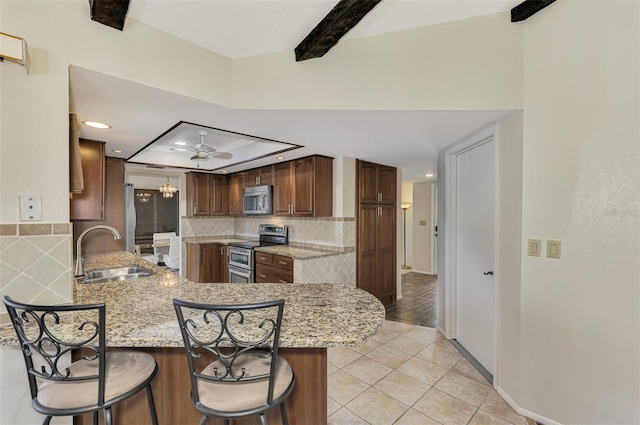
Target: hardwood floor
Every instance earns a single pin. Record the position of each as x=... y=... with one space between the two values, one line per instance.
x=418 y=305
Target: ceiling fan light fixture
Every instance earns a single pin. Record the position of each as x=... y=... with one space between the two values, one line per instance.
x=96 y=124
x=167 y=189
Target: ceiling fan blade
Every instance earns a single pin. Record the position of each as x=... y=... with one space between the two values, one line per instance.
x=222 y=155
x=208 y=147
x=195 y=157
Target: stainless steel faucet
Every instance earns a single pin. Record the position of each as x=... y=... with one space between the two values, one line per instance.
x=79 y=260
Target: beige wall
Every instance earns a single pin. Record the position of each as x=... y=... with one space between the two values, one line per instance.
x=580 y=318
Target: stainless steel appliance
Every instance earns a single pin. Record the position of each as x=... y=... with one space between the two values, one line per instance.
x=241 y=258
x=257 y=200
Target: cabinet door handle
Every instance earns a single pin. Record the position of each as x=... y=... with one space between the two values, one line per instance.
x=282 y=281
x=284 y=263
x=262 y=275
x=194 y=210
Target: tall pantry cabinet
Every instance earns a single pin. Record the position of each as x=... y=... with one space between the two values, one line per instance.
x=376 y=230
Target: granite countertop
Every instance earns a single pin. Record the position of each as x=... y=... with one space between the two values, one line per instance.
x=295 y=253
x=140 y=312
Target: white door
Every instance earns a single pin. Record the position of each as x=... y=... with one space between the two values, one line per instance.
x=475 y=229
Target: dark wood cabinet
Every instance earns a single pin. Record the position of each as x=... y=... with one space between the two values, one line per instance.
x=207 y=262
x=304 y=187
x=236 y=184
x=114 y=205
x=260 y=176
x=89 y=205
x=376 y=183
x=376 y=231
x=206 y=194
x=273 y=268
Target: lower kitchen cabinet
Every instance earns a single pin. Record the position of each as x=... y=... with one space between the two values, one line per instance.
x=273 y=268
x=207 y=262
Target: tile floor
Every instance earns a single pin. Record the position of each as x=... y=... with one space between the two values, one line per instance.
x=408 y=374
x=419 y=300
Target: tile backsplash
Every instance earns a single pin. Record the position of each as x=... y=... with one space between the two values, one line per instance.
x=336 y=234
x=36 y=262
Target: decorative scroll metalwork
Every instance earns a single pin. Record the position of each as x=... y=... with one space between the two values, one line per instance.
x=230 y=338
x=47 y=334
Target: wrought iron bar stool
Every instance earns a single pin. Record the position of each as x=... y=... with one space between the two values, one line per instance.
x=100 y=379
x=232 y=353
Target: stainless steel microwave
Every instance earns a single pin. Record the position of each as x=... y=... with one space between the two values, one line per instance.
x=257 y=200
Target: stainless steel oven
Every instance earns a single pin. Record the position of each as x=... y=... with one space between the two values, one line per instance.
x=240 y=275
x=241 y=258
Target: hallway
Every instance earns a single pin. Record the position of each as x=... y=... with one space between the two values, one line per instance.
x=418 y=305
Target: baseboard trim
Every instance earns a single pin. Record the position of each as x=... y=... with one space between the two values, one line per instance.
x=524 y=412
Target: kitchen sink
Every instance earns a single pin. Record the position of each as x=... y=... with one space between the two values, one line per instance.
x=112 y=275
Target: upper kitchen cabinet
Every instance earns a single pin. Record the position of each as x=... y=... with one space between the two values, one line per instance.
x=376 y=183
x=236 y=184
x=304 y=187
x=260 y=176
x=206 y=194
x=89 y=205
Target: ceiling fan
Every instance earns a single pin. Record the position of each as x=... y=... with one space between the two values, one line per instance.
x=204 y=151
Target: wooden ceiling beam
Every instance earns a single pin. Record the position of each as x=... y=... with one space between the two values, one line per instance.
x=344 y=16
x=109 y=12
x=528 y=8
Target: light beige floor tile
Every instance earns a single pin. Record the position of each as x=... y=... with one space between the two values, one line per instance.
x=384 y=335
x=422 y=333
x=445 y=409
x=422 y=370
x=377 y=408
x=402 y=387
x=344 y=387
x=496 y=405
x=332 y=406
x=389 y=356
x=398 y=327
x=413 y=417
x=371 y=345
x=341 y=356
x=441 y=354
x=408 y=345
x=345 y=417
x=463 y=388
x=484 y=418
x=331 y=368
x=464 y=368
x=367 y=370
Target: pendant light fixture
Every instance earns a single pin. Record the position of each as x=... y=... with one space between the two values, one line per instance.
x=168 y=189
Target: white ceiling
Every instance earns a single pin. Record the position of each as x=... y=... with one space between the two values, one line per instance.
x=240 y=28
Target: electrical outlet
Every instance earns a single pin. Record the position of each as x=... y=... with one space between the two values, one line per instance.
x=30 y=208
x=553 y=249
x=534 y=247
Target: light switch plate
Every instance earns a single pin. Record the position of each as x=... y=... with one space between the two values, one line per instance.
x=30 y=208
x=553 y=249
x=534 y=247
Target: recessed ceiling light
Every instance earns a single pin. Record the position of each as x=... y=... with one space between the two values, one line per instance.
x=281 y=157
x=224 y=171
x=117 y=151
x=429 y=175
x=180 y=143
x=96 y=124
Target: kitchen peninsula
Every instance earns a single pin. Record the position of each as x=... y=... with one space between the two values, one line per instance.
x=140 y=314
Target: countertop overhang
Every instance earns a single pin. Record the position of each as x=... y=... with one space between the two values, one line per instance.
x=140 y=312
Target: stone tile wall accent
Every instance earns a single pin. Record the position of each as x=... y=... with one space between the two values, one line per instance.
x=206 y=226
x=36 y=262
x=336 y=269
x=332 y=233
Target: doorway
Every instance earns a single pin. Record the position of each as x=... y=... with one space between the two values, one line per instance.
x=470 y=253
